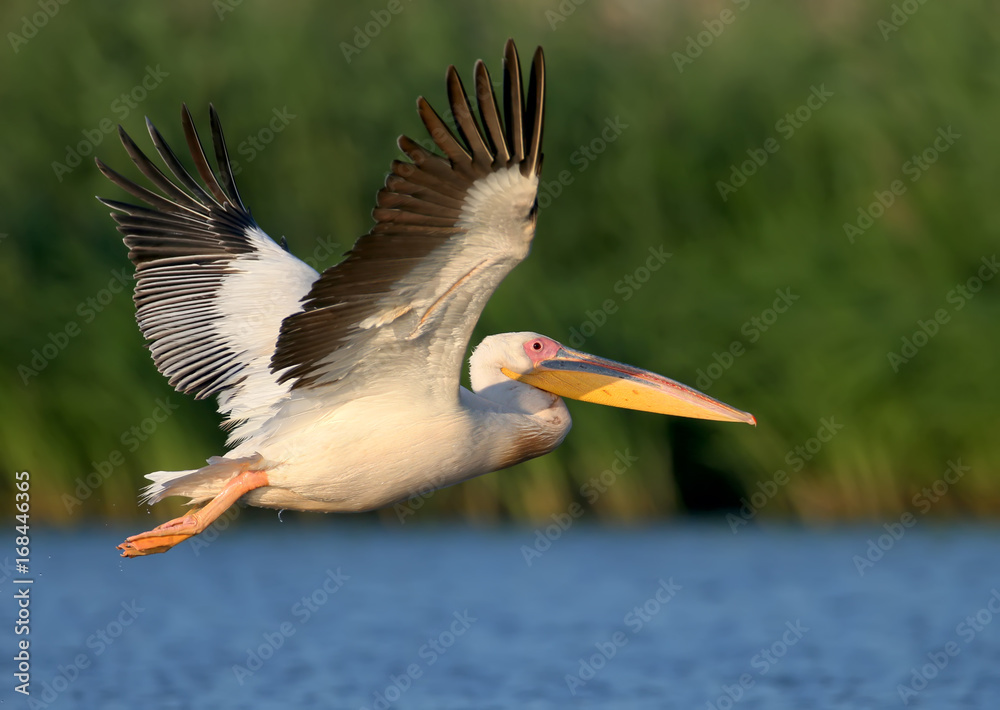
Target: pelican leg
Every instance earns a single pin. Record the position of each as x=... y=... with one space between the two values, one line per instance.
x=173 y=532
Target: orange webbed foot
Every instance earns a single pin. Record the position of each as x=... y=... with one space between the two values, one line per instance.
x=176 y=531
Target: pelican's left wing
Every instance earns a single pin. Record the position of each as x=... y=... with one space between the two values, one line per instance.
x=448 y=230
x=211 y=287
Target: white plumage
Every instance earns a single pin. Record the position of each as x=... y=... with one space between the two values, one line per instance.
x=342 y=389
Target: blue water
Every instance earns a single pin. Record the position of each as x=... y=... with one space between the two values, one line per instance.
x=454 y=617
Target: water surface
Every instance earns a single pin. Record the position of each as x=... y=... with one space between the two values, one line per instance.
x=332 y=614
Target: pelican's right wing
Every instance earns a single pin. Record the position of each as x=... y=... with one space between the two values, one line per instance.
x=398 y=312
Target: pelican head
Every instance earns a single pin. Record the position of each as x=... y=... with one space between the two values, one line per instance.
x=550 y=366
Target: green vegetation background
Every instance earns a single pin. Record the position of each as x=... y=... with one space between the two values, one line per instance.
x=680 y=131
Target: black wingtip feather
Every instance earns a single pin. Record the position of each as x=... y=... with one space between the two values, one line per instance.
x=197 y=151
x=222 y=158
x=417 y=211
x=465 y=122
x=179 y=171
x=535 y=113
x=183 y=245
x=512 y=101
x=492 y=121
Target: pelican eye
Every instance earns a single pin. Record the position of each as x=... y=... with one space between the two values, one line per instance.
x=537 y=345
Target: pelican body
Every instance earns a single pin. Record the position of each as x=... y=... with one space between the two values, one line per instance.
x=341 y=390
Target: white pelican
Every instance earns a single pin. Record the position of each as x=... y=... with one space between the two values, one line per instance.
x=341 y=390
